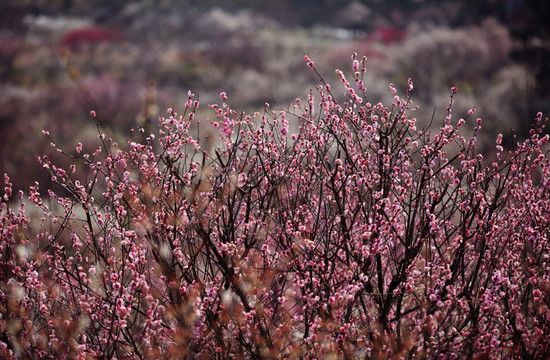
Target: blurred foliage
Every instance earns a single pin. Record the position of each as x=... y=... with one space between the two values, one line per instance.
x=254 y=51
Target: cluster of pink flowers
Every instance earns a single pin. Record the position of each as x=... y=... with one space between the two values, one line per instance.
x=359 y=235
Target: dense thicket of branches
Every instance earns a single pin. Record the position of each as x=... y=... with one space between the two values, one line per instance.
x=359 y=235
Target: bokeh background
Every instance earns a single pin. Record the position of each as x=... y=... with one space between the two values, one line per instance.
x=130 y=60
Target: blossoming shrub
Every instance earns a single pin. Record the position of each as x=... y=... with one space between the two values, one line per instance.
x=358 y=236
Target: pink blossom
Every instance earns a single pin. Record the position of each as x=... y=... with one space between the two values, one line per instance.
x=357 y=235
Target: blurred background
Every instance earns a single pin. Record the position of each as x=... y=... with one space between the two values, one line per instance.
x=130 y=60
